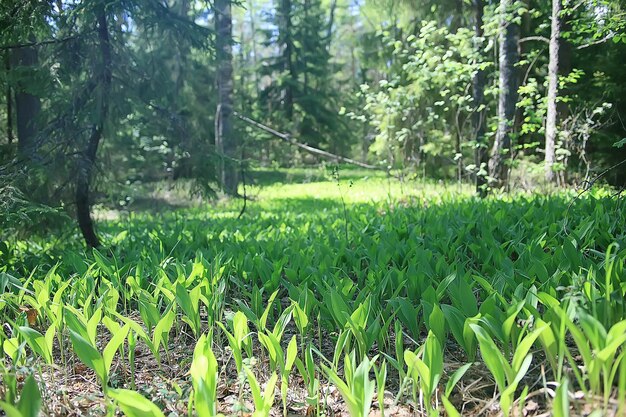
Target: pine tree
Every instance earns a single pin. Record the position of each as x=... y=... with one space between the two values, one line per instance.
x=301 y=97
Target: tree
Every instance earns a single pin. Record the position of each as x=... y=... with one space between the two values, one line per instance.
x=101 y=79
x=478 y=95
x=9 y=100
x=553 y=81
x=27 y=104
x=507 y=95
x=225 y=140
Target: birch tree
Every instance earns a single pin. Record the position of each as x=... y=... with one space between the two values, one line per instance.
x=553 y=81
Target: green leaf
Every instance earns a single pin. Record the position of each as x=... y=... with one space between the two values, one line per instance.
x=300 y=317
x=75 y=320
x=92 y=325
x=493 y=357
x=240 y=328
x=89 y=356
x=12 y=348
x=190 y=310
x=30 y=399
x=134 y=404
x=549 y=343
x=255 y=389
x=560 y=405
x=114 y=344
x=437 y=323
x=268 y=393
x=37 y=342
x=292 y=351
x=450 y=409
x=455 y=378
x=345 y=391
x=204 y=374
x=162 y=330
x=10 y=410
x=525 y=345
x=266 y=312
x=103 y=263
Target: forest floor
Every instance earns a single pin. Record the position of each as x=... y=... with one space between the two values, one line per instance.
x=420 y=277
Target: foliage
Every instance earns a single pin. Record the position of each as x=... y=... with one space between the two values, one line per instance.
x=509 y=276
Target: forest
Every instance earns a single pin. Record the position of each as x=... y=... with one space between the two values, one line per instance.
x=313 y=208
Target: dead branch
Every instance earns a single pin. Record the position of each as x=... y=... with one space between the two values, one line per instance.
x=287 y=138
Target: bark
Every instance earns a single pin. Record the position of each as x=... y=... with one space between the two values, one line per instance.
x=455 y=24
x=507 y=98
x=478 y=117
x=457 y=19
x=180 y=52
x=88 y=159
x=331 y=22
x=9 y=99
x=288 y=64
x=224 y=137
x=553 y=82
x=27 y=105
x=305 y=86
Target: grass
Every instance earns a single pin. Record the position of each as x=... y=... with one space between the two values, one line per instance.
x=346 y=293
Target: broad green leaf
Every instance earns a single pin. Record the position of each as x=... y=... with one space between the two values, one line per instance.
x=437 y=323
x=560 y=405
x=113 y=345
x=134 y=404
x=455 y=378
x=162 y=329
x=92 y=325
x=493 y=358
x=292 y=351
x=103 y=263
x=204 y=374
x=525 y=345
x=30 y=399
x=266 y=312
x=450 y=409
x=37 y=343
x=89 y=356
x=10 y=410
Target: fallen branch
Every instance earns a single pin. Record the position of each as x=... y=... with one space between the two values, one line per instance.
x=285 y=137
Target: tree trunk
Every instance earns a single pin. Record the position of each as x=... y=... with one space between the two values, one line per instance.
x=305 y=85
x=507 y=99
x=457 y=18
x=27 y=105
x=553 y=82
x=9 y=99
x=224 y=136
x=331 y=22
x=88 y=159
x=288 y=64
x=478 y=117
